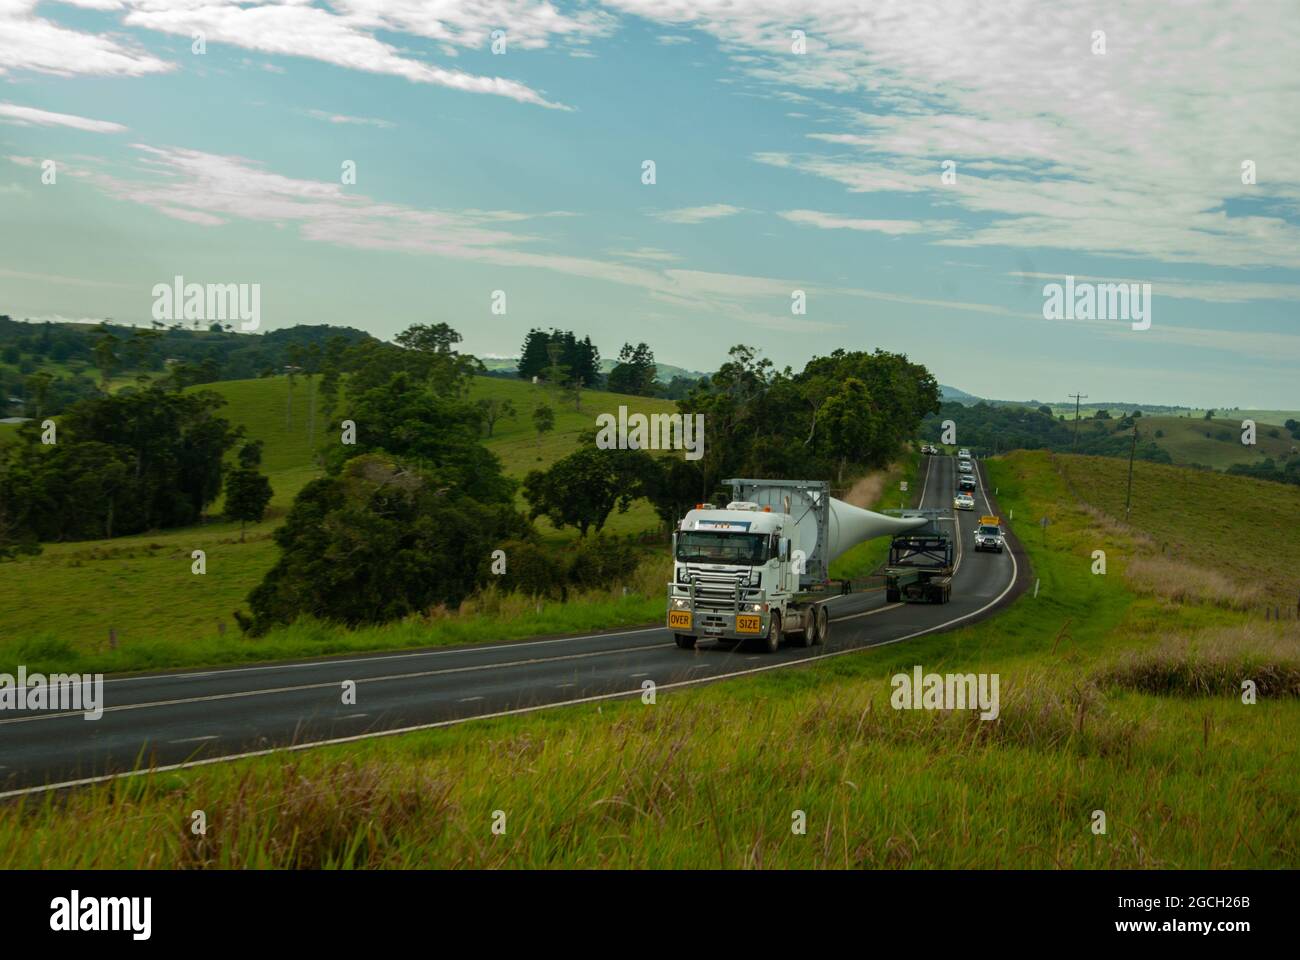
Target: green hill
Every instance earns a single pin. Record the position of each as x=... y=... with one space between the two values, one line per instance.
x=1217 y=443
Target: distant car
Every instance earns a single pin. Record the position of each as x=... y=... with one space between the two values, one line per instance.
x=926 y=448
x=966 y=483
x=965 y=467
x=964 y=501
x=988 y=536
x=963 y=453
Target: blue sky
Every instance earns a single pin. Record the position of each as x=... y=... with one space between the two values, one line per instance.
x=776 y=171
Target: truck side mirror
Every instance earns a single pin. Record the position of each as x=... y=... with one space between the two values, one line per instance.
x=785 y=549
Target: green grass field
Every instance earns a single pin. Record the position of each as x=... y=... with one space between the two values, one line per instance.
x=1188 y=443
x=1247 y=529
x=719 y=775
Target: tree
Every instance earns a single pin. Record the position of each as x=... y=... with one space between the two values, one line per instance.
x=247 y=490
x=438 y=435
x=494 y=409
x=533 y=358
x=377 y=541
x=38 y=389
x=106 y=358
x=543 y=421
x=635 y=373
x=582 y=489
x=438 y=362
x=850 y=422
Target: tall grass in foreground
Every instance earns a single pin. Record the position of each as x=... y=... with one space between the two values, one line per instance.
x=702 y=780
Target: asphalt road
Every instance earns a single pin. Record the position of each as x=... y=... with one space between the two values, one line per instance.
x=200 y=716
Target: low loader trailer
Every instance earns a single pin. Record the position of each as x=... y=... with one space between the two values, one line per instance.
x=920 y=565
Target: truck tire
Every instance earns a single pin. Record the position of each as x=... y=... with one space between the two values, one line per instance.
x=807 y=637
x=685 y=641
x=891 y=596
x=823 y=625
x=772 y=642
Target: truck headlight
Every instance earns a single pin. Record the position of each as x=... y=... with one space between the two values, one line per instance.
x=681 y=603
x=756 y=607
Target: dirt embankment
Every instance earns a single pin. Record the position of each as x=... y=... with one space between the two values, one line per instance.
x=866 y=490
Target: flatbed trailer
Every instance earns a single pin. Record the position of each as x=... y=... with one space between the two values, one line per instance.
x=920 y=568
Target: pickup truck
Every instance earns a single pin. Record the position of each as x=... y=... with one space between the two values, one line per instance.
x=989 y=535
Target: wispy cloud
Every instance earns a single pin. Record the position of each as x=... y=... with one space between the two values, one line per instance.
x=831 y=221
x=697 y=214
x=344 y=118
x=29 y=116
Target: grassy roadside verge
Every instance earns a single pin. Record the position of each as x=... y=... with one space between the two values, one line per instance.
x=718 y=775
x=488 y=617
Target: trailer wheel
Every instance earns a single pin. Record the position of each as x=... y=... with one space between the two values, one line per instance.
x=685 y=641
x=772 y=641
x=823 y=625
x=891 y=595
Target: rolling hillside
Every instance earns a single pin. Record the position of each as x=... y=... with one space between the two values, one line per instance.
x=1217 y=443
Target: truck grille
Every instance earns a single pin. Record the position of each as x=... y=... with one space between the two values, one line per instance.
x=717 y=590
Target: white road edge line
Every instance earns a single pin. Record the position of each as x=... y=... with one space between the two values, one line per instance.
x=326 y=661
x=240 y=694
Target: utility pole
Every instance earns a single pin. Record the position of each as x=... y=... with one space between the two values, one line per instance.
x=1077 y=398
x=1128 y=498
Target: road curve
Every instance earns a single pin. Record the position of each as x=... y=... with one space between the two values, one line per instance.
x=169 y=719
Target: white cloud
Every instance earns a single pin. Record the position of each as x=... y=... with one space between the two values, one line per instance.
x=697 y=214
x=343 y=33
x=652 y=254
x=29 y=42
x=344 y=118
x=830 y=221
x=25 y=116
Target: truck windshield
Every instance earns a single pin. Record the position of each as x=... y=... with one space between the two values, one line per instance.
x=990 y=531
x=738 y=548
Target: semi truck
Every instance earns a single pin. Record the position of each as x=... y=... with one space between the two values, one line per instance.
x=758 y=568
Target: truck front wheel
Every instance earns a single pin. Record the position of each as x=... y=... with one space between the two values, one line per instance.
x=773 y=638
x=823 y=625
x=685 y=641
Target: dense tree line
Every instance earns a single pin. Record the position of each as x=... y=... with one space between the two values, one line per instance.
x=1268 y=469
x=558 y=356
x=990 y=429
x=121 y=464
x=84 y=353
x=850 y=410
